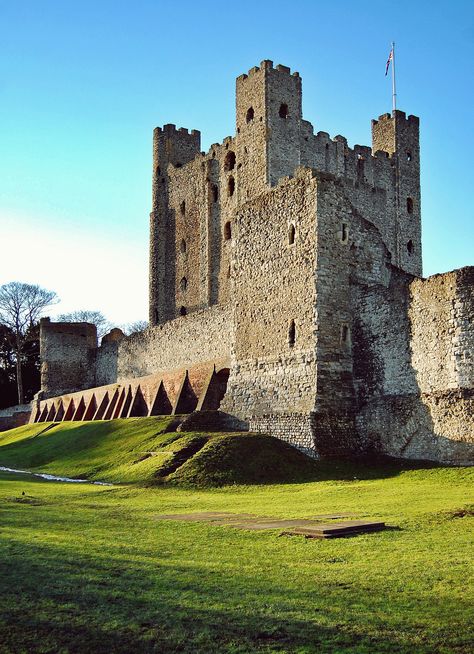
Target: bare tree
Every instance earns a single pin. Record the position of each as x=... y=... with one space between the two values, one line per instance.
x=133 y=327
x=96 y=318
x=21 y=306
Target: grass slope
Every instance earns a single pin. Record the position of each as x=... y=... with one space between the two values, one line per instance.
x=91 y=569
x=149 y=450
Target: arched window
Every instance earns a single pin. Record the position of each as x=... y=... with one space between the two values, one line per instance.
x=229 y=161
x=250 y=114
x=183 y=284
x=182 y=208
x=291 y=234
x=410 y=247
x=182 y=311
x=183 y=247
x=227 y=231
x=230 y=186
x=291 y=333
x=410 y=205
x=283 y=112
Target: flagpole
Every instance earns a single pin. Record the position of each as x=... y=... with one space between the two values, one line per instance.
x=394 y=88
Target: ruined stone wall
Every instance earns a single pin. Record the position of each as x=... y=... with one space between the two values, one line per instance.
x=441 y=315
x=202 y=337
x=412 y=345
x=68 y=356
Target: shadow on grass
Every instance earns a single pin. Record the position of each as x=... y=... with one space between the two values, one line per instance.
x=54 y=600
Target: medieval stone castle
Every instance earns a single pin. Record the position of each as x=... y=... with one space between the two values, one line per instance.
x=286 y=291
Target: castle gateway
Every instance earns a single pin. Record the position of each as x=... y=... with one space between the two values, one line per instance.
x=286 y=290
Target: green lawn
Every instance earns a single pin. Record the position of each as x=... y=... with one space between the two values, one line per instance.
x=88 y=568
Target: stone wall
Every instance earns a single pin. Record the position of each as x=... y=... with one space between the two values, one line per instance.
x=413 y=343
x=441 y=315
x=273 y=359
x=14 y=416
x=68 y=352
x=202 y=337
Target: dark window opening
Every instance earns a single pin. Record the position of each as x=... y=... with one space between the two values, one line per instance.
x=227 y=231
x=344 y=233
x=250 y=114
x=229 y=161
x=183 y=246
x=291 y=235
x=409 y=156
x=182 y=208
x=344 y=333
x=183 y=284
x=410 y=205
x=155 y=315
x=327 y=146
x=231 y=186
x=283 y=112
x=182 y=311
x=158 y=171
x=178 y=165
x=292 y=333
x=410 y=247
x=228 y=272
x=215 y=193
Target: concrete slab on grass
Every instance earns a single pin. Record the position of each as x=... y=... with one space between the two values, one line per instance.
x=312 y=528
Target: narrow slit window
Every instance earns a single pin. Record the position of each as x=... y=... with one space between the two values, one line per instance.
x=182 y=208
x=227 y=231
x=231 y=186
x=344 y=334
x=183 y=247
x=410 y=247
x=291 y=235
x=410 y=205
x=183 y=284
x=409 y=156
x=292 y=333
x=344 y=233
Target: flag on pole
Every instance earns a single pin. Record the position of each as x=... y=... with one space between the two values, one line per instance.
x=390 y=57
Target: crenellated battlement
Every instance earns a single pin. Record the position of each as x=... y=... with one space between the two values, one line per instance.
x=398 y=115
x=266 y=65
x=170 y=129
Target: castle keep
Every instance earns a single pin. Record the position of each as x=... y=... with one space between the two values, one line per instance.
x=286 y=290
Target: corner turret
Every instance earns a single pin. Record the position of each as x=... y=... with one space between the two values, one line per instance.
x=399 y=136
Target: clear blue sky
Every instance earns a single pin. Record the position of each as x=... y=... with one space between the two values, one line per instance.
x=82 y=84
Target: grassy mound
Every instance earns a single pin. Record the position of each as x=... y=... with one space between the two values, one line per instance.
x=245 y=459
x=150 y=450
